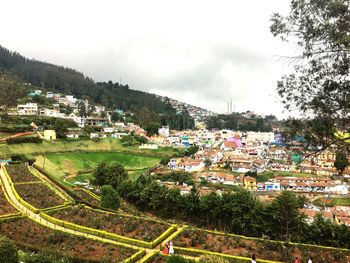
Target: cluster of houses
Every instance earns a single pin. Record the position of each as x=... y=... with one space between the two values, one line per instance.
x=337 y=214
x=95 y=117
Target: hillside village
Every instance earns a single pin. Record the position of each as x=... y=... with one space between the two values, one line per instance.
x=256 y=161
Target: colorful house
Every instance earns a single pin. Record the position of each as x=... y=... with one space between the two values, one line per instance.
x=49 y=135
x=249 y=183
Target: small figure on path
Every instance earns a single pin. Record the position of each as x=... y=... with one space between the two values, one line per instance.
x=171 y=248
x=310 y=260
x=166 y=248
x=253 y=259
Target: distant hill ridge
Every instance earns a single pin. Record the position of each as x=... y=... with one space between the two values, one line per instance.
x=68 y=81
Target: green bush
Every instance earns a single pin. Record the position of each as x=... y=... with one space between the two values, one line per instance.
x=178 y=259
x=15 y=128
x=109 y=197
x=8 y=251
x=19 y=140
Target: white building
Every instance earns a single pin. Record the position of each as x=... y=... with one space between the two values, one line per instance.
x=52 y=113
x=164 y=131
x=149 y=146
x=99 y=109
x=260 y=136
x=27 y=109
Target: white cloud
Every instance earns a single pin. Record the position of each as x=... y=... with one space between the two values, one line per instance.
x=201 y=52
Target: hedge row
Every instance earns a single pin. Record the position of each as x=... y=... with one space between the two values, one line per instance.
x=7 y=198
x=72 y=195
x=172 y=229
x=18 y=140
x=149 y=258
x=105 y=234
x=275 y=241
x=127 y=215
x=234 y=259
x=93 y=195
x=54 y=187
x=136 y=257
x=12 y=215
x=18 y=198
x=56 y=208
x=33 y=182
x=14 y=128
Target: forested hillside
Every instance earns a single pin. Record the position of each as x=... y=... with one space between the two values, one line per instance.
x=11 y=89
x=69 y=81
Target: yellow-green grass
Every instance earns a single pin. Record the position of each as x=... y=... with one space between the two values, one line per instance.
x=79 y=164
x=106 y=145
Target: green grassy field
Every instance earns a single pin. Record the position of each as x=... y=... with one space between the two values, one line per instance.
x=73 y=164
x=106 y=145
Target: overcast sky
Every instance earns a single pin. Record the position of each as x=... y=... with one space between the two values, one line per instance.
x=200 y=52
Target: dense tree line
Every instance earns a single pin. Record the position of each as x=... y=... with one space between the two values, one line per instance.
x=11 y=89
x=237 y=122
x=147 y=107
x=237 y=212
x=69 y=81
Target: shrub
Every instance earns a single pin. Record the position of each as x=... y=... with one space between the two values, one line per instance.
x=19 y=140
x=178 y=259
x=8 y=250
x=109 y=197
x=212 y=259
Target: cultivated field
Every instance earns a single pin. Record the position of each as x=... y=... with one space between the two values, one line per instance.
x=26 y=233
x=128 y=226
x=263 y=249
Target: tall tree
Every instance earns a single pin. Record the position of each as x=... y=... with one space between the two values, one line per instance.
x=320 y=84
x=287 y=219
x=109 y=174
x=341 y=161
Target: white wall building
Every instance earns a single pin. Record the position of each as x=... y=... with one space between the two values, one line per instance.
x=260 y=136
x=27 y=109
x=164 y=131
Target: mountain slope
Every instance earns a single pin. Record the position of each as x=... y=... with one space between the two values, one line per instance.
x=69 y=81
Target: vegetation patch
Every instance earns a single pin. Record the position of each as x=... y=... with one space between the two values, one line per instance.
x=29 y=234
x=263 y=249
x=131 y=227
x=332 y=201
x=5 y=207
x=66 y=164
x=38 y=195
x=19 y=173
x=84 y=195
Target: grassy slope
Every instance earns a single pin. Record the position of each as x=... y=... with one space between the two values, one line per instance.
x=108 y=144
x=61 y=164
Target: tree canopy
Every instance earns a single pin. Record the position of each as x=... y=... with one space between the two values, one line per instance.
x=8 y=250
x=109 y=174
x=319 y=87
x=109 y=197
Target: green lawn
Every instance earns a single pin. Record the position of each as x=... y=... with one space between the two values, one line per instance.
x=61 y=164
x=106 y=145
